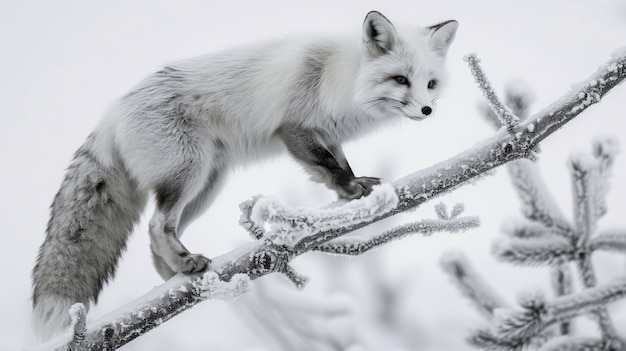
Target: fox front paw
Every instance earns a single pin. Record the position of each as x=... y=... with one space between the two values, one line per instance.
x=358 y=187
x=193 y=263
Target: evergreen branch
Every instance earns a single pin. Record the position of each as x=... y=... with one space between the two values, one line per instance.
x=561 y=278
x=486 y=340
x=471 y=284
x=526 y=229
x=539 y=205
x=604 y=150
x=585 y=183
x=590 y=175
x=538 y=314
x=262 y=257
x=550 y=251
x=570 y=343
x=614 y=240
x=584 y=178
x=585 y=266
x=585 y=301
x=515 y=325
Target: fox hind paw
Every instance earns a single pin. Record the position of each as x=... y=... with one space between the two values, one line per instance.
x=194 y=263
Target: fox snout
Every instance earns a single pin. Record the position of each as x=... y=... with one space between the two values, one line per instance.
x=416 y=111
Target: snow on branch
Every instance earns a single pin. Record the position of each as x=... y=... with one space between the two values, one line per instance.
x=138 y=317
x=288 y=225
x=263 y=257
x=245 y=221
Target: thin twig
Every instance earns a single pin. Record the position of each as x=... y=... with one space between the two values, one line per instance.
x=505 y=115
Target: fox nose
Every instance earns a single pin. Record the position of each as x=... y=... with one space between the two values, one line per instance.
x=426 y=110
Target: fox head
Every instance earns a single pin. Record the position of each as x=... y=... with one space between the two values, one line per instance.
x=402 y=75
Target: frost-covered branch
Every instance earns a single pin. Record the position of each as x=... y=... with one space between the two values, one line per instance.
x=569 y=343
x=538 y=204
x=264 y=256
x=562 y=284
x=355 y=245
x=79 y=326
x=614 y=240
x=518 y=228
x=471 y=284
x=504 y=114
x=550 y=251
x=138 y=317
x=537 y=314
x=287 y=226
x=586 y=184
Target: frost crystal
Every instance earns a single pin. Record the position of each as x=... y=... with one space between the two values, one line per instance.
x=612 y=67
x=211 y=287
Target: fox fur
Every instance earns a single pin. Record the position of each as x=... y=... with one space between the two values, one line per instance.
x=179 y=131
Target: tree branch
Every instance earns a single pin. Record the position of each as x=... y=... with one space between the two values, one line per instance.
x=504 y=114
x=518 y=327
x=471 y=284
x=263 y=257
x=356 y=245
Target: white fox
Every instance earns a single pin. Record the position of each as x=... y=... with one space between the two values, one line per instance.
x=179 y=131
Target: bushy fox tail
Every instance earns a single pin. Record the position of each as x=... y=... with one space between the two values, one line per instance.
x=91 y=217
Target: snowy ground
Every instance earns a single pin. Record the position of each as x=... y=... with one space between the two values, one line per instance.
x=65 y=61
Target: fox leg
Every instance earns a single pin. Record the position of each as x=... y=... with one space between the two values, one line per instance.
x=178 y=203
x=326 y=161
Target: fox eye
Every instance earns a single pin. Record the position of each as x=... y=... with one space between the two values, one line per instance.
x=401 y=80
x=432 y=83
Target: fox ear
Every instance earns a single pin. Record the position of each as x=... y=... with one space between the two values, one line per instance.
x=379 y=35
x=442 y=35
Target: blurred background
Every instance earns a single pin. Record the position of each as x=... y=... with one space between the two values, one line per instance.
x=64 y=62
